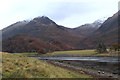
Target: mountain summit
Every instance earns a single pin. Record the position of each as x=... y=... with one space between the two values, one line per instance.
x=41 y=30
x=87 y=29
x=43 y=20
x=43 y=33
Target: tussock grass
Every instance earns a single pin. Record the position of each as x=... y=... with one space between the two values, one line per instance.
x=19 y=66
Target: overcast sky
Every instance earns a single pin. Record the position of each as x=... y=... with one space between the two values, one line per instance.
x=70 y=13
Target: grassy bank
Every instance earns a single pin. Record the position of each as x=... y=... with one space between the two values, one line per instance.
x=74 y=53
x=81 y=53
x=28 y=54
x=19 y=66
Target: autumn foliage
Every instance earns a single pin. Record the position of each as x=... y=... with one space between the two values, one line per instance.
x=24 y=43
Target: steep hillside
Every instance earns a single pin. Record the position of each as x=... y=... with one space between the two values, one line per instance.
x=87 y=29
x=44 y=30
x=107 y=32
x=47 y=31
x=13 y=29
x=24 y=43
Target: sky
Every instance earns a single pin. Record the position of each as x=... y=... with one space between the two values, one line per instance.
x=69 y=13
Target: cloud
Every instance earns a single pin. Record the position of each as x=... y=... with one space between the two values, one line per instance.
x=64 y=12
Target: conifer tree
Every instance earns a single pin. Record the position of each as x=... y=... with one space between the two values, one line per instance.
x=101 y=48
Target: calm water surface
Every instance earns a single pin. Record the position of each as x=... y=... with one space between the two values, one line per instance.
x=96 y=59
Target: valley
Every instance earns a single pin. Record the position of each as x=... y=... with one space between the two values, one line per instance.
x=40 y=48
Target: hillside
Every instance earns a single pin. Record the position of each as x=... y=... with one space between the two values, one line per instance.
x=87 y=29
x=106 y=33
x=56 y=37
x=18 y=66
x=25 y=43
x=45 y=30
x=13 y=29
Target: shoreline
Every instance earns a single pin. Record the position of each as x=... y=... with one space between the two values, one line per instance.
x=91 y=72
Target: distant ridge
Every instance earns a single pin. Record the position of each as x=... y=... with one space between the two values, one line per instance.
x=56 y=37
x=107 y=32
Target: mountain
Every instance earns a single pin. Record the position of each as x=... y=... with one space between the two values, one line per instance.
x=13 y=29
x=46 y=35
x=107 y=33
x=45 y=30
x=87 y=29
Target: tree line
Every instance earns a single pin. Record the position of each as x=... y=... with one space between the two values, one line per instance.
x=101 y=47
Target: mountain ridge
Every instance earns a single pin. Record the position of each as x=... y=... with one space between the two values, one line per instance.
x=46 y=30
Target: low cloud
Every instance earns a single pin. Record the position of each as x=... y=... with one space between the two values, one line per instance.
x=64 y=12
